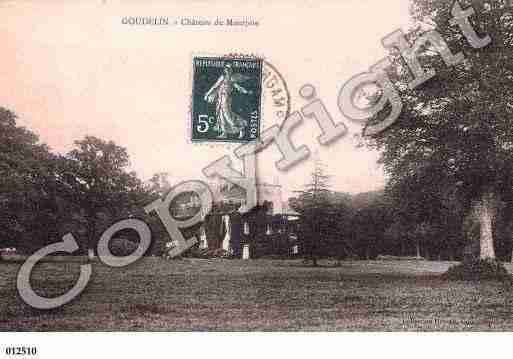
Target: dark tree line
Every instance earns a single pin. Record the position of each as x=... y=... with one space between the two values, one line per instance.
x=406 y=220
x=44 y=195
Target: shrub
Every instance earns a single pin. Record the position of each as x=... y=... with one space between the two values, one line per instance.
x=478 y=269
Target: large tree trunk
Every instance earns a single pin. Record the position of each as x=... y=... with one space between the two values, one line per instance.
x=484 y=211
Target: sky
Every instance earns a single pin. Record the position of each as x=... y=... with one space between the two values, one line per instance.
x=71 y=69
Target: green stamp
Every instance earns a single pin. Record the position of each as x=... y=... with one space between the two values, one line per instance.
x=226 y=99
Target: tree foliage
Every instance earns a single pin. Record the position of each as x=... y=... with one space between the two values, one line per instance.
x=454 y=131
x=99 y=185
x=30 y=200
x=324 y=216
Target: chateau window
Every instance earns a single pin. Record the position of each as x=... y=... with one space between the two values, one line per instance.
x=246 y=228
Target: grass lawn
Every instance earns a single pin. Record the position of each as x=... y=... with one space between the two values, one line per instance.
x=199 y=295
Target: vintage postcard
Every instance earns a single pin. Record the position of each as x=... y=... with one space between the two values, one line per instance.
x=192 y=166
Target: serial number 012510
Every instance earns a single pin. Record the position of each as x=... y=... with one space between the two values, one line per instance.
x=20 y=350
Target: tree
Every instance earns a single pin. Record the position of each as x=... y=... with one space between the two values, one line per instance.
x=98 y=183
x=371 y=219
x=319 y=215
x=455 y=131
x=30 y=200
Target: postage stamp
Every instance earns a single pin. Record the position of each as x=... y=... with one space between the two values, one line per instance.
x=226 y=99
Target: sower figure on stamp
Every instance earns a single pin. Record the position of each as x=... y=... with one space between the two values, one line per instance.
x=228 y=121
